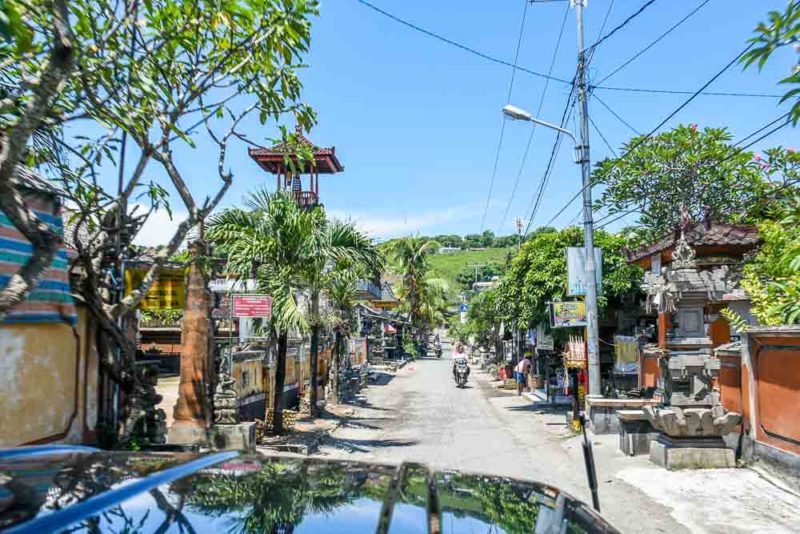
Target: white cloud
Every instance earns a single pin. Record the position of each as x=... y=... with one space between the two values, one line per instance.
x=393 y=225
x=159 y=228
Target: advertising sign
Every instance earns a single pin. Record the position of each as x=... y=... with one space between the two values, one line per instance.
x=567 y=314
x=576 y=270
x=252 y=306
x=168 y=292
x=544 y=340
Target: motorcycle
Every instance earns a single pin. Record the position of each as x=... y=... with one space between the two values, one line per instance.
x=461 y=372
x=437 y=349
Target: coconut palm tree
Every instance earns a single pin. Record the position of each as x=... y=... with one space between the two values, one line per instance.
x=271 y=239
x=411 y=255
x=333 y=245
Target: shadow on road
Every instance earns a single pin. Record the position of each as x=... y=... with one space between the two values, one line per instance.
x=380 y=378
x=541 y=408
x=366 y=445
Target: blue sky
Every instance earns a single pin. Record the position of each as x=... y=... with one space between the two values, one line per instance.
x=416 y=121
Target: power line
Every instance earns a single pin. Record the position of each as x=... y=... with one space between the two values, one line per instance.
x=654 y=42
x=503 y=123
x=644 y=138
x=549 y=169
x=600 y=33
x=675 y=92
x=603 y=137
x=623 y=23
x=620 y=119
x=538 y=113
x=459 y=45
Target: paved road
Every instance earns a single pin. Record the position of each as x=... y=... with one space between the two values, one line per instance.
x=419 y=415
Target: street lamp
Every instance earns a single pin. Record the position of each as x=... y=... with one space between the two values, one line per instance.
x=581 y=151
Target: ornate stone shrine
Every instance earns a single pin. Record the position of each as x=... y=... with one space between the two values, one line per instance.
x=693 y=422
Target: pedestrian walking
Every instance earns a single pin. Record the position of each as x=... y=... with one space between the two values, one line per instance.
x=521 y=372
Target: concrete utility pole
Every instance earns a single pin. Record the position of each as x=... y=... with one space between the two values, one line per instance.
x=520 y=223
x=588 y=223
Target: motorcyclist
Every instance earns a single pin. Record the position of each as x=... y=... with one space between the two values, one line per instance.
x=459 y=357
x=437 y=346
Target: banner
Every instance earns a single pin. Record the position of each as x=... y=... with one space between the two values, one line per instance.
x=544 y=340
x=168 y=292
x=567 y=314
x=576 y=271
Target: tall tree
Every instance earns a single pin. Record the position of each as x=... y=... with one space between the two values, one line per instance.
x=411 y=255
x=333 y=244
x=270 y=236
x=687 y=171
x=144 y=80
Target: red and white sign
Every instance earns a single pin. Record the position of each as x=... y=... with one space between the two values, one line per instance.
x=252 y=306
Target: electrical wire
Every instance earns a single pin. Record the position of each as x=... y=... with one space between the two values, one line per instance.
x=603 y=137
x=457 y=44
x=620 y=119
x=676 y=92
x=623 y=24
x=503 y=123
x=654 y=42
x=538 y=114
x=549 y=169
x=644 y=138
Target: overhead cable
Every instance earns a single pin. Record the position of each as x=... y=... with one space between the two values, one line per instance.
x=459 y=45
x=503 y=122
x=622 y=24
x=676 y=92
x=654 y=42
x=620 y=119
x=533 y=126
x=644 y=138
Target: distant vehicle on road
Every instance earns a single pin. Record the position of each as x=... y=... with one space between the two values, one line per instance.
x=79 y=489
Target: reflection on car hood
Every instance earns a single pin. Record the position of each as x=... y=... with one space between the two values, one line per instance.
x=49 y=489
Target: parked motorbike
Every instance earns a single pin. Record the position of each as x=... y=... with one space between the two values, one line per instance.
x=461 y=372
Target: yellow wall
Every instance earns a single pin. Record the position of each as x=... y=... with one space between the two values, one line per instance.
x=255 y=378
x=48 y=383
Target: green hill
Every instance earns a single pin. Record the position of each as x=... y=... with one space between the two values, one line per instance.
x=447 y=266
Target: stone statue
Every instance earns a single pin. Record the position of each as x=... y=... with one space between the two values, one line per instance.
x=226 y=405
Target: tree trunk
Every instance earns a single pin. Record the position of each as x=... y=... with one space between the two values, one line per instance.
x=193 y=408
x=280 y=378
x=314 y=354
x=335 y=368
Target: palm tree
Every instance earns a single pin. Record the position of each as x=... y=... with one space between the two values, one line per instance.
x=270 y=238
x=411 y=255
x=342 y=292
x=333 y=245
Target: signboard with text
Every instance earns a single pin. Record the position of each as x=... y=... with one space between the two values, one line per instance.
x=168 y=292
x=252 y=306
x=567 y=314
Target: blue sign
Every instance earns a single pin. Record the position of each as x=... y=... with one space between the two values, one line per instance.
x=463 y=308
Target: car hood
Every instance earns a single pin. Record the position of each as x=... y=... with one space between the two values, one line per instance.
x=48 y=489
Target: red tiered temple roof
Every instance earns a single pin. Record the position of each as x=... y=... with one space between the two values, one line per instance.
x=273 y=161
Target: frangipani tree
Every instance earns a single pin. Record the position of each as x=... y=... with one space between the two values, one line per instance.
x=117 y=90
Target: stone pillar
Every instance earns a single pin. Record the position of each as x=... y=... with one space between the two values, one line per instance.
x=192 y=412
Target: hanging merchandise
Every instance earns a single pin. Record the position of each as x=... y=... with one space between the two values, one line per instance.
x=575 y=353
x=626 y=354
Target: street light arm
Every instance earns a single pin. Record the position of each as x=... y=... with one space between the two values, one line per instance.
x=518 y=114
x=556 y=128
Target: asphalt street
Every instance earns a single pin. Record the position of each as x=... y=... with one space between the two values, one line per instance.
x=418 y=414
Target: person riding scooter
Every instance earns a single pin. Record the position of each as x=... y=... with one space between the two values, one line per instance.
x=437 y=346
x=459 y=360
